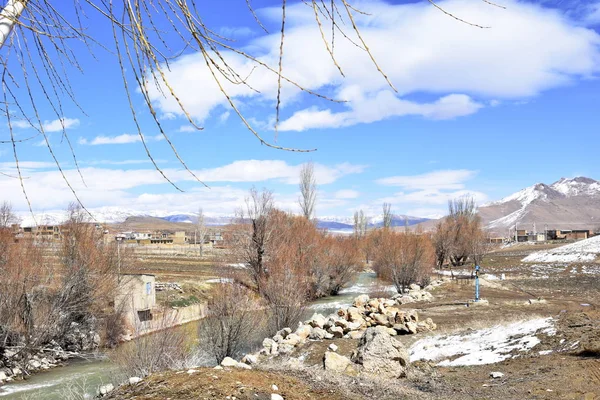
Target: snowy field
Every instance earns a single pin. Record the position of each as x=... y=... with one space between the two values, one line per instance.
x=484 y=346
x=582 y=251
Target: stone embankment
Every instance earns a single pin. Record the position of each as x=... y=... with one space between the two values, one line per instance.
x=18 y=361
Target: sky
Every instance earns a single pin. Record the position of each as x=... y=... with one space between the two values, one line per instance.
x=467 y=111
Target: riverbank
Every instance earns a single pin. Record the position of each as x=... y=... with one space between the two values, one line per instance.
x=91 y=373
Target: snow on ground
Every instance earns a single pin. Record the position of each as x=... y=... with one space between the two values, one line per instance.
x=484 y=346
x=582 y=251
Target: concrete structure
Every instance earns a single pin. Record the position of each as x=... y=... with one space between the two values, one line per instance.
x=136 y=299
x=569 y=234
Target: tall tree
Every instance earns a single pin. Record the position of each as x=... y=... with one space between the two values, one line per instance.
x=308 y=190
x=360 y=224
x=7 y=216
x=256 y=233
x=387 y=215
x=201 y=231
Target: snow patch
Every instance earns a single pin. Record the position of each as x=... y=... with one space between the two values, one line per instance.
x=484 y=346
x=582 y=251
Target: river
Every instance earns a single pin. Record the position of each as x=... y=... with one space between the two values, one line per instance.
x=89 y=374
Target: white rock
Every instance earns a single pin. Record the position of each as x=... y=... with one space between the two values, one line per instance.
x=333 y=347
x=496 y=375
x=275 y=396
x=317 y=321
x=274 y=388
x=361 y=300
x=336 y=331
x=335 y=362
x=250 y=359
x=134 y=380
x=2 y=376
x=229 y=362
x=106 y=389
x=303 y=331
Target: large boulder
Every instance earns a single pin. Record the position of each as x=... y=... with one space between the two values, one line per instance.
x=381 y=355
x=229 y=362
x=334 y=362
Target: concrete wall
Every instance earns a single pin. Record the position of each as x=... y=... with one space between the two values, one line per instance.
x=169 y=318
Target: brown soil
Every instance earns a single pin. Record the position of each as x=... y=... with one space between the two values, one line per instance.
x=209 y=383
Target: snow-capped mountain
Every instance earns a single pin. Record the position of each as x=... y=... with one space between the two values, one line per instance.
x=565 y=204
x=118 y=215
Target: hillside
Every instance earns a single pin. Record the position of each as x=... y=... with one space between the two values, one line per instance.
x=565 y=204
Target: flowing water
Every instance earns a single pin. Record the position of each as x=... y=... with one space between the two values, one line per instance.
x=87 y=375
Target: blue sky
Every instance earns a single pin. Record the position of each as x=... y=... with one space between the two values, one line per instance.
x=480 y=112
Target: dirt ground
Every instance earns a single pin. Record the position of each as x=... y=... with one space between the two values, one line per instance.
x=207 y=383
x=568 y=293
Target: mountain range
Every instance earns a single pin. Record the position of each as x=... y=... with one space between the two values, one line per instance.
x=116 y=215
x=565 y=204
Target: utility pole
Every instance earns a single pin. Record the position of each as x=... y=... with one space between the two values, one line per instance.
x=119 y=260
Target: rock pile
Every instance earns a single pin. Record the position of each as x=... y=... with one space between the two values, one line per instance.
x=351 y=322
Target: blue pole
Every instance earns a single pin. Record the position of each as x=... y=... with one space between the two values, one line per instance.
x=477 y=283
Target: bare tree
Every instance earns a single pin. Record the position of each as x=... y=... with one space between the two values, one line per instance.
x=7 y=216
x=308 y=190
x=387 y=215
x=231 y=323
x=442 y=242
x=404 y=258
x=360 y=224
x=254 y=233
x=201 y=231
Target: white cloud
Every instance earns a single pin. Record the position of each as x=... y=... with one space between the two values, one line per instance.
x=120 y=139
x=114 y=187
x=434 y=188
x=459 y=67
x=445 y=179
x=382 y=105
x=59 y=124
x=56 y=125
x=232 y=32
x=346 y=194
x=187 y=128
x=224 y=116
x=433 y=196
